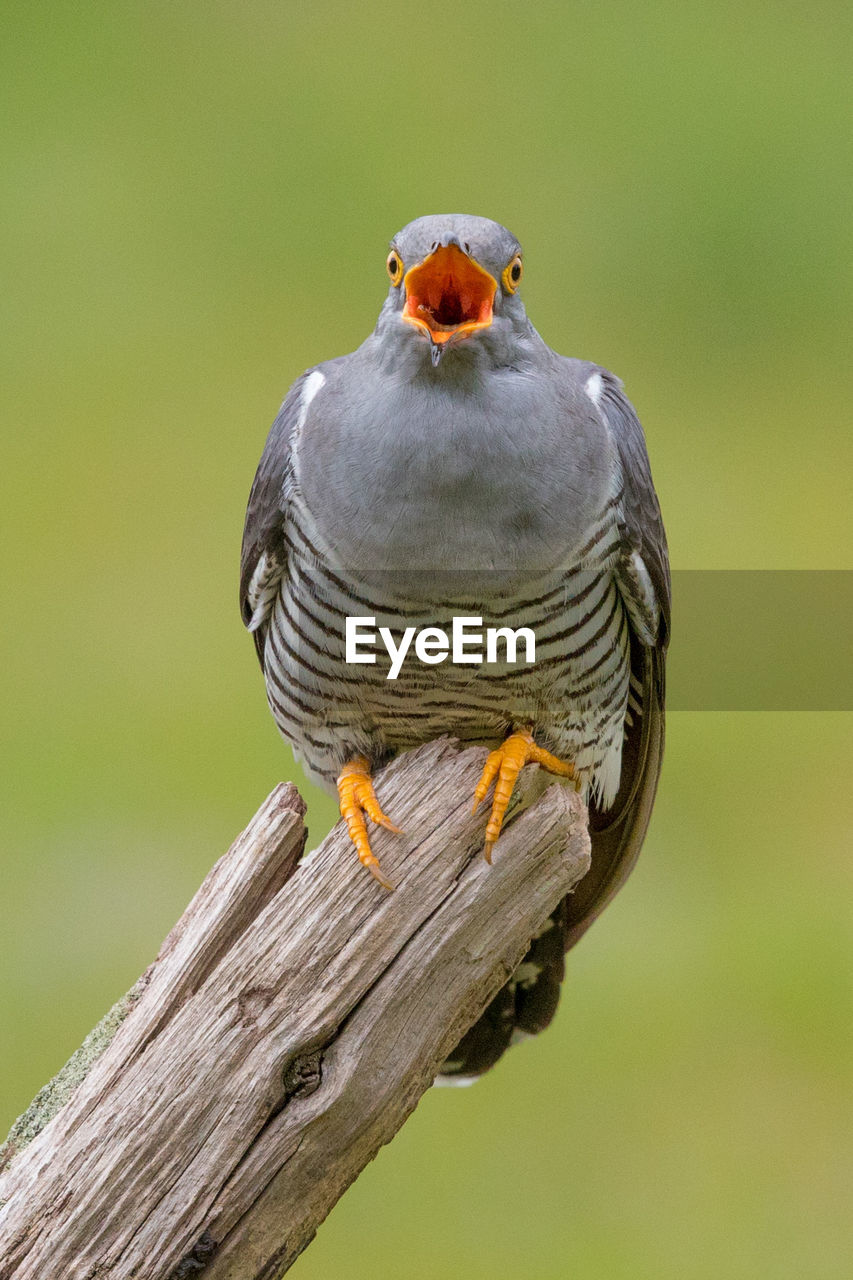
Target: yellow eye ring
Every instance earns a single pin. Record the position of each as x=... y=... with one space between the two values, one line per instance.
x=394 y=267
x=513 y=271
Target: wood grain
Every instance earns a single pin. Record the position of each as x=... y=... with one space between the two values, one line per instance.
x=293 y=1018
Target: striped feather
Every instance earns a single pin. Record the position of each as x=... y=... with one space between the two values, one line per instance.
x=576 y=692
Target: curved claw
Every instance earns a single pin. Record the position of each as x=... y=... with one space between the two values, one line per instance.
x=505 y=764
x=357 y=798
x=376 y=871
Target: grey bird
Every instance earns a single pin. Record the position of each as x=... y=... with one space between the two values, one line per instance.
x=454 y=466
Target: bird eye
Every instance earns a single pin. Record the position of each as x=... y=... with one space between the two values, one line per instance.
x=394 y=267
x=513 y=272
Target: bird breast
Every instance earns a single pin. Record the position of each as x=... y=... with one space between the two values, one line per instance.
x=428 y=476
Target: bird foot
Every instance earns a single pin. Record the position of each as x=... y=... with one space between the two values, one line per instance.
x=505 y=764
x=357 y=798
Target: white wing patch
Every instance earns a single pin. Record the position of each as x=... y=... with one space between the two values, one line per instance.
x=605 y=785
x=265 y=581
x=518 y=1036
x=639 y=595
x=526 y=975
x=263 y=589
x=310 y=387
x=454 y=1082
x=593 y=387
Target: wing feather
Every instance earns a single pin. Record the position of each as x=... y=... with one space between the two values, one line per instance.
x=643 y=580
x=263 y=558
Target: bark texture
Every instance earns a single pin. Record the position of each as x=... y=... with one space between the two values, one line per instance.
x=295 y=1015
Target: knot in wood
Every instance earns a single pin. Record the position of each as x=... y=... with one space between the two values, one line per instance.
x=303 y=1076
x=252 y=1002
x=194 y=1262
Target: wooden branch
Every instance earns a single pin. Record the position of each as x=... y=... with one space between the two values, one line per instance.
x=291 y=1022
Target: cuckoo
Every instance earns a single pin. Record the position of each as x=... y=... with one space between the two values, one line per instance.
x=455 y=467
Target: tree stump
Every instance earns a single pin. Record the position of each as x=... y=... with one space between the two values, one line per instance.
x=293 y=1018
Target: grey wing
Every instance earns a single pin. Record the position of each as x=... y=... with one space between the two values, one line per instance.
x=643 y=579
x=526 y=1006
x=644 y=572
x=263 y=559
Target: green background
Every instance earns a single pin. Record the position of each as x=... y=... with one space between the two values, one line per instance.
x=196 y=203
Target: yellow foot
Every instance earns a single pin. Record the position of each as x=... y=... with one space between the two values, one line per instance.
x=357 y=798
x=506 y=764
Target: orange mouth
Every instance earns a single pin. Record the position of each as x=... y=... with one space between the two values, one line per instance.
x=448 y=295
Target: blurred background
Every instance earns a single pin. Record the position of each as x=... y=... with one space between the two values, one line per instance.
x=196 y=204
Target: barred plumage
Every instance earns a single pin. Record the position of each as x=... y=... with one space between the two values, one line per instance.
x=328 y=710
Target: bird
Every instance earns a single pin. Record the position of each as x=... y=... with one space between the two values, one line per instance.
x=455 y=467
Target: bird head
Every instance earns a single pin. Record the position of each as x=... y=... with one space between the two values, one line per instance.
x=453 y=278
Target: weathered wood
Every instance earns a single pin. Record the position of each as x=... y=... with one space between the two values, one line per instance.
x=295 y=1015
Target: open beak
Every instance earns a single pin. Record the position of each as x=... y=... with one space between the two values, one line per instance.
x=448 y=296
